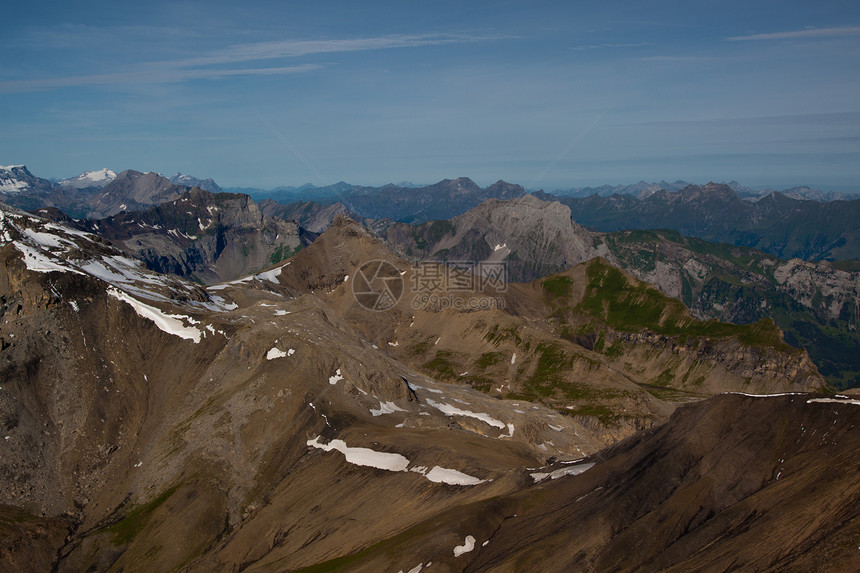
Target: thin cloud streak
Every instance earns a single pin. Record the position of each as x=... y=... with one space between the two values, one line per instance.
x=297 y=48
x=172 y=71
x=151 y=76
x=829 y=118
x=603 y=46
x=800 y=34
x=680 y=59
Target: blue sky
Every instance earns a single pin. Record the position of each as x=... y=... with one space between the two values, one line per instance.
x=545 y=94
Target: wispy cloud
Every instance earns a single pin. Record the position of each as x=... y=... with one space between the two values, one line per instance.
x=817 y=119
x=679 y=59
x=206 y=66
x=800 y=34
x=618 y=45
x=150 y=76
x=295 y=48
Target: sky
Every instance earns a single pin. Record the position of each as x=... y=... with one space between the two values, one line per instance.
x=549 y=95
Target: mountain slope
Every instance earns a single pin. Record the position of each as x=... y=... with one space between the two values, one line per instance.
x=315 y=217
x=533 y=237
x=733 y=483
x=548 y=341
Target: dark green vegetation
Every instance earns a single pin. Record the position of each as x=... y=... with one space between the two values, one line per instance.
x=557 y=286
x=633 y=307
x=136 y=519
x=739 y=285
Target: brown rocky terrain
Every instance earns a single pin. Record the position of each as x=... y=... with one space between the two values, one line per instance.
x=272 y=423
x=550 y=341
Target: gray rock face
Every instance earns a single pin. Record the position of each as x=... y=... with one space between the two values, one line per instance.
x=533 y=237
x=133 y=191
x=203 y=236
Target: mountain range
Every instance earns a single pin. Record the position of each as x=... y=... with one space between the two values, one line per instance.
x=275 y=422
x=776 y=223
x=394 y=383
x=780 y=224
x=95 y=194
x=797 y=223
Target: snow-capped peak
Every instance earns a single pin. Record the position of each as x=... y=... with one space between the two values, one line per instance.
x=14 y=179
x=98 y=178
x=100 y=175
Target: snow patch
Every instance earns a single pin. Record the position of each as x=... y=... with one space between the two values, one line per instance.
x=335 y=378
x=568 y=471
x=766 y=395
x=48 y=240
x=468 y=545
x=451 y=477
x=833 y=401
x=271 y=276
x=169 y=323
x=386 y=408
x=364 y=456
x=275 y=353
x=41 y=263
x=450 y=410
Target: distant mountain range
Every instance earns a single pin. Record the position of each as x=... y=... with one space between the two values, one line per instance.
x=644 y=189
x=202 y=236
x=188 y=181
x=95 y=194
x=445 y=199
x=776 y=223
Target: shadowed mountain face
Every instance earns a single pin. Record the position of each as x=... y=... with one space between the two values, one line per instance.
x=314 y=217
x=203 y=236
x=442 y=200
x=777 y=224
x=267 y=424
